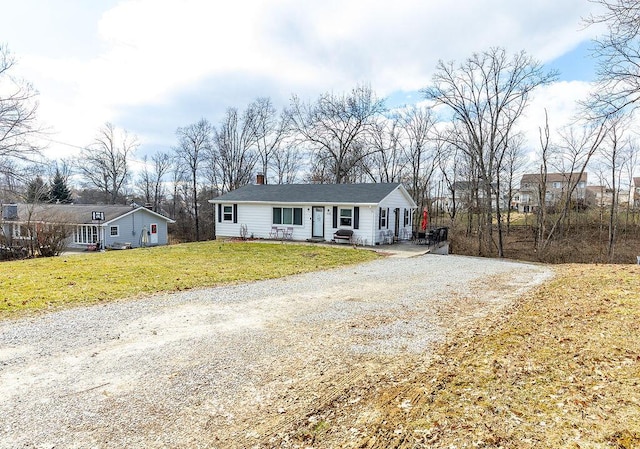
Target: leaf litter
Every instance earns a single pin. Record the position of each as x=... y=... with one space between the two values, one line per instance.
x=560 y=369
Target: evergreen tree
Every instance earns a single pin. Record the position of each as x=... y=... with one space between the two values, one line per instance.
x=60 y=192
x=37 y=191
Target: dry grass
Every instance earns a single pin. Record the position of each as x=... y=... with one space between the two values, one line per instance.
x=581 y=246
x=41 y=284
x=562 y=370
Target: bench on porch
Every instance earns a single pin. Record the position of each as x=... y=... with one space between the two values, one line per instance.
x=120 y=245
x=343 y=236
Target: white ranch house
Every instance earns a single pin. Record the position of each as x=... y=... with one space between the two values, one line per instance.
x=374 y=213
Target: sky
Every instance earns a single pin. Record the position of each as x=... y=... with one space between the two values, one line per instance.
x=151 y=66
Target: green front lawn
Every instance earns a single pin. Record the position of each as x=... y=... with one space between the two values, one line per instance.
x=41 y=284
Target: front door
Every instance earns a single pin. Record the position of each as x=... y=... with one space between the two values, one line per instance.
x=153 y=234
x=396 y=227
x=317 y=222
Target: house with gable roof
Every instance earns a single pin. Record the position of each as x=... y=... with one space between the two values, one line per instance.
x=370 y=213
x=93 y=226
x=557 y=186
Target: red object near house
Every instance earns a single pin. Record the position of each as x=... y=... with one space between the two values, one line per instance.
x=425 y=219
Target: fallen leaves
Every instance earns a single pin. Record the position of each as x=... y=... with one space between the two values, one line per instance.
x=560 y=370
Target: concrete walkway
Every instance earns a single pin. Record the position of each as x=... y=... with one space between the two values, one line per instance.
x=401 y=249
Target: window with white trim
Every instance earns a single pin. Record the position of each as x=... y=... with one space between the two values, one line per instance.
x=383 y=217
x=16 y=231
x=86 y=234
x=114 y=231
x=346 y=217
x=287 y=215
x=227 y=213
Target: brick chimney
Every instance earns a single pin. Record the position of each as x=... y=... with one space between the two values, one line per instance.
x=260 y=179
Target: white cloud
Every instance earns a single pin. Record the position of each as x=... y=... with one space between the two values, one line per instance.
x=152 y=50
x=560 y=100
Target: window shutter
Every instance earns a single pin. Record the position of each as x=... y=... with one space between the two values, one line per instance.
x=356 y=217
x=335 y=217
x=387 y=218
x=219 y=213
x=379 y=218
x=235 y=213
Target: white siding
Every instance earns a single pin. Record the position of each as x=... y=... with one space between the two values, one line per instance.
x=258 y=217
x=395 y=200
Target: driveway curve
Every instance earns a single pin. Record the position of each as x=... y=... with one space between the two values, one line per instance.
x=236 y=366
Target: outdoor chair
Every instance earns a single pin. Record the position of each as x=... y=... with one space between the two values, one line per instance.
x=388 y=237
x=287 y=233
x=273 y=234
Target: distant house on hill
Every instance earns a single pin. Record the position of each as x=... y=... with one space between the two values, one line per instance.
x=368 y=213
x=468 y=195
x=91 y=226
x=635 y=195
x=601 y=196
x=557 y=187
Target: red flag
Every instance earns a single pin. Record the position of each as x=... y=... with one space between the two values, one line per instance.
x=425 y=219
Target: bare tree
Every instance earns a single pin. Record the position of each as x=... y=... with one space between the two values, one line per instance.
x=235 y=144
x=194 y=146
x=270 y=130
x=578 y=144
x=336 y=128
x=514 y=161
x=145 y=182
x=18 y=108
x=487 y=95
x=467 y=179
x=321 y=172
x=541 y=187
x=632 y=156
x=286 y=162
x=449 y=165
x=151 y=178
x=421 y=150
x=618 y=56
x=388 y=163
x=105 y=163
x=615 y=154
x=178 y=179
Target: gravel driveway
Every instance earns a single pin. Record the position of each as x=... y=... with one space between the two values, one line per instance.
x=236 y=366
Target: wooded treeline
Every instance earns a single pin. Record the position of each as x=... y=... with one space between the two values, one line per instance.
x=460 y=152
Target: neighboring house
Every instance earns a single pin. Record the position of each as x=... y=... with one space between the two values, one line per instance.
x=468 y=195
x=601 y=196
x=91 y=226
x=557 y=186
x=635 y=201
x=375 y=213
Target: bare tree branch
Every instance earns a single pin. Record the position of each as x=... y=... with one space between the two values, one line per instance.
x=18 y=107
x=105 y=164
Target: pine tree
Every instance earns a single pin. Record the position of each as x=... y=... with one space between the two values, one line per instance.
x=59 y=192
x=37 y=191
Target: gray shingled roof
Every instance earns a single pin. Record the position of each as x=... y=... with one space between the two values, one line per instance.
x=310 y=193
x=70 y=213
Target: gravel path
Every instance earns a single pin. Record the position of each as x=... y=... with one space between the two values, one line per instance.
x=234 y=366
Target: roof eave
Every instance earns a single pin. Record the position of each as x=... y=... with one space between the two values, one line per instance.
x=162 y=217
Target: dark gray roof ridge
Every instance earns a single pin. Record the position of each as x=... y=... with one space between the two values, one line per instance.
x=365 y=193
